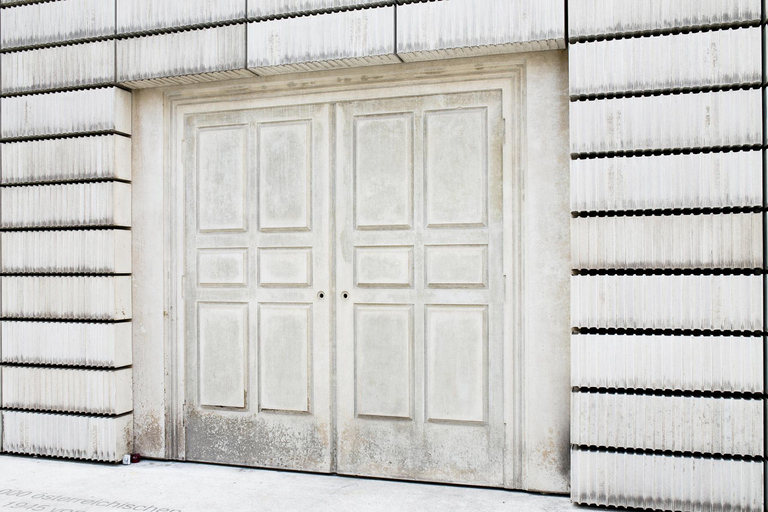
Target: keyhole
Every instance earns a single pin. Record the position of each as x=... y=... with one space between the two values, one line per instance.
x=321 y=295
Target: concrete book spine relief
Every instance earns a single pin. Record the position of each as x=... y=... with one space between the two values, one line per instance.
x=666 y=132
x=668 y=182
x=67 y=246
x=664 y=117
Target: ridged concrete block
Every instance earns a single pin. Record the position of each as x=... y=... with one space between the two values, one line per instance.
x=668 y=241
x=72 y=204
x=711 y=180
x=463 y=28
x=218 y=53
x=66 y=343
x=54 y=22
x=63 y=113
x=614 y=17
x=662 y=482
x=715 y=302
x=137 y=16
x=60 y=435
x=60 y=67
x=102 y=251
x=680 y=61
x=325 y=41
x=678 y=121
x=713 y=426
x=52 y=160
x=271 y=8
x=68 y=390
x=66 y=298
x=732 y=364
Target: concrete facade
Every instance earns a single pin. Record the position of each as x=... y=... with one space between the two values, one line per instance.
x=201 y=261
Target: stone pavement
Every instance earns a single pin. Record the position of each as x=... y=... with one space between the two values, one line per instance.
x=45 y=485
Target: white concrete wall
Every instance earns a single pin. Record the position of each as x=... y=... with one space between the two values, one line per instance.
x=633 y=155
x=668 y=250
x=66 y=163
x=65 y=258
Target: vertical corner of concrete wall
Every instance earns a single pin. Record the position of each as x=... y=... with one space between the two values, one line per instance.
x=123 y=111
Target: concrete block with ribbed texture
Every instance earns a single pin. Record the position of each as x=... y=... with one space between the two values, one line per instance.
x=99 y=251
x=679 y=424
x=721 y=241
x=141 y=16
x=66 y=297
x=615 y=17
x=71 y=159
x=706 y=302
x=730 y=364
x=66 y=205
x=672 y=62
x=664 y=482
x=704 y=180
x=98 y=438
x=182 y=57
x=66 y=343
x=334 y=40
x=65 y=113
x=270 y=8
x=676 y=121
x=47 y=22
x=68 y=390
x=60 y=67
x=462 y=28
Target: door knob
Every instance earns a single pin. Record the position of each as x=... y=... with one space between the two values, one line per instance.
x=321 y=295
x=344 y=295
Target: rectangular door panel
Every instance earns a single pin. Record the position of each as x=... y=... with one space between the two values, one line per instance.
x=455 y=167
x=384 y=361
x=285 y=333
x=420 y=288
x=456 y=346
x=285 y=175
x=221 y=173
x=257 y=254
x=383 y=171
x=222 y=340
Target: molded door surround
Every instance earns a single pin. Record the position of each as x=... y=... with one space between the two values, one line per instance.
x=495 y=270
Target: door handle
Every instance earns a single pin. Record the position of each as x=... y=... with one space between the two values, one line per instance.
x=344 y=295
x=321 y=295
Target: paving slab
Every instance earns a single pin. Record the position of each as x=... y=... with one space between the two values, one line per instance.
x=46 y=485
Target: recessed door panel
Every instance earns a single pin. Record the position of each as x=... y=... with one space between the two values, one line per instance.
x=257 y=252
x=456 y=167
x=285 y=175
x=383 y=171
x=220 y=164
x=285 y=338
x=222 y=337
x=383 y=357
x=420 y=299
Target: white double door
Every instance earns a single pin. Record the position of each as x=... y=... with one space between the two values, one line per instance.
x=344 y=288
